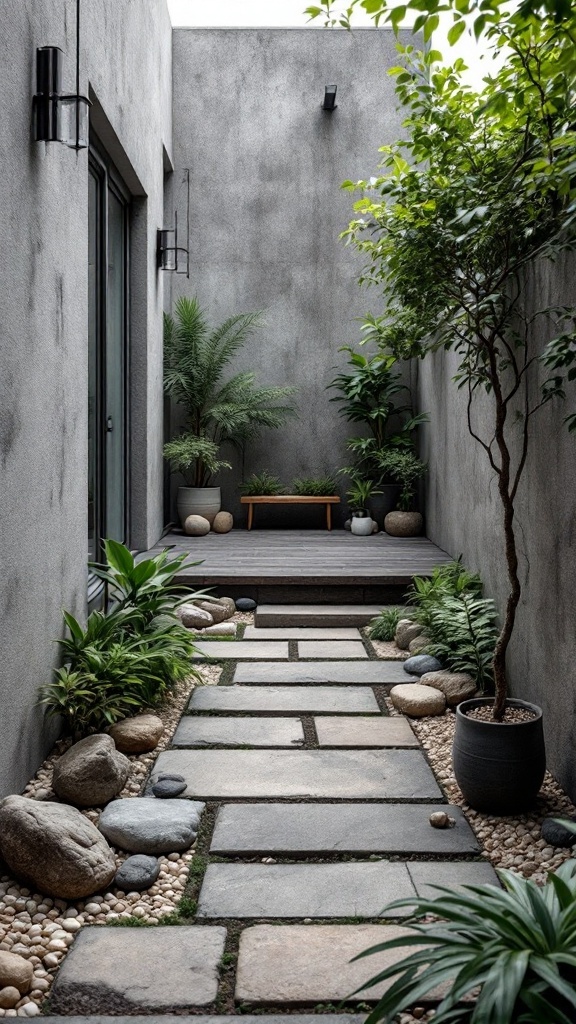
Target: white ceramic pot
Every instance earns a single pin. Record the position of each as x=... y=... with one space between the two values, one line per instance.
x=198 y=501
x=362 y=527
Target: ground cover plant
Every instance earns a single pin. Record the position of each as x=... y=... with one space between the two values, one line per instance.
x=383 y=626
x=262 y=483
x=217 y=410
x=314 y=486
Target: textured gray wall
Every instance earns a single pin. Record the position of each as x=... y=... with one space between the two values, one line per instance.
x=266 y=164
x=463 y=516
x=126 y=56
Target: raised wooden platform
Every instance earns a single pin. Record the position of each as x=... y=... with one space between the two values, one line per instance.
x=306 y=566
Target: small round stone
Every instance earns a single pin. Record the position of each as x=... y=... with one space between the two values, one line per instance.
x=15 y=972
x=245 y=604
x=439 y=819
x=167 y=788
x=172 y=777
x=196 y=526
x=9 y=996
x=137 y=873
x=223 y=522
x=420 y=664
x=557 y=834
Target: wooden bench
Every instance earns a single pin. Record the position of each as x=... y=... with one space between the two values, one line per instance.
x=290 y=499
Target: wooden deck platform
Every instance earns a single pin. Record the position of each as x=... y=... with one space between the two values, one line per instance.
x=306 y=566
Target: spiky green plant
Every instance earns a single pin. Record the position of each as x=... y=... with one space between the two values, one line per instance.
x=511 y=951
x=217 y=410
x=261 y=483
x=383 y=626
x=314 y=486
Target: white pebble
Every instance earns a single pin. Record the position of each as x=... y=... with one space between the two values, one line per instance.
x=71 y=924
x=31 y=1010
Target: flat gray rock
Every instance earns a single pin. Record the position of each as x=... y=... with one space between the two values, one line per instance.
x=239 y=732
x=302 y=633
x=295 y=964
x=365 y=732
x=315 y=615
x=236 y=649
x=331 y=649
x=137 y=873
x=221 y=1018
x=148 y=825
x=363 y=673
x=303 y=890
x=122 y=970
x=252 y=829
x=328 y=774
x=328 y=700
x=453 y=874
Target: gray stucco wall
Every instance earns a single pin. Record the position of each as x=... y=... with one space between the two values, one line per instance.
x=266 y=165
x=464 y=517
x=126 y=55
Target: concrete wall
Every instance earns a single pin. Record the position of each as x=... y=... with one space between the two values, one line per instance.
x=126 y=53
x=464 y=517
x=266 y=164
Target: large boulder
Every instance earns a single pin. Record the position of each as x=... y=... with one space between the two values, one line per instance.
x=91 y=772
x=147 y=825
x=137 y=735
x=416 y=700
x=456 y=686
x=406 y=630
x=196 y=526
x=55 y=848
x=193 y=617
x=15 y=971
x=223 y=522
x=419 y=664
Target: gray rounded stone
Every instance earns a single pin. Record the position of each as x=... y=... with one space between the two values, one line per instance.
x=420 y=664
x=245 y=604
x=406 y=631
x=147 y=825
x=172 y=777
x=196 y=526
x=137 y=735
x=218 y=611
x=137 y=873
x=91 y=772
x=418 y=701
x=348 y=525
x=419 y=644
x=556 y=834
x=456 y=686
x=166 y=789
x=193 y=617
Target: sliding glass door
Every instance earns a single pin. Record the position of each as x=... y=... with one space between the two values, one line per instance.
x=107 y=355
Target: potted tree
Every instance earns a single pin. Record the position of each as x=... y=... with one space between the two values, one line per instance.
x=451 y=228
x=217 y=410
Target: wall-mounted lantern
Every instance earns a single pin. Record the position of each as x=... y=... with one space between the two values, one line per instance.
x=58 y=116
x=170 y=255
x=329 y=102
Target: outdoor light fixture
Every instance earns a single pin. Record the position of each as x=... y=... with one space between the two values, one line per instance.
x=329 y=102
x=168 y=251
x=58 y=116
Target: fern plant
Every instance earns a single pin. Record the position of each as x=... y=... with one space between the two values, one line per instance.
x=261 y=483
x=217 y=410
x=448 y=580
x=383 y=626
x=314 y=486
x=463 y=636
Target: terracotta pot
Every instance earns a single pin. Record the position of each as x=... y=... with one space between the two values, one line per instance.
x=198 y=501
x=403 y=524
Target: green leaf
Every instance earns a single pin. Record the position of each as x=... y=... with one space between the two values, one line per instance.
x=456 y=31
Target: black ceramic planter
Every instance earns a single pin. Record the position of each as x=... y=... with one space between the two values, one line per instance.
x=498 y=767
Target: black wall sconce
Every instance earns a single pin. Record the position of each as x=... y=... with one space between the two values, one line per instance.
x=59 y=117
x=170 y=255
x=329 y=102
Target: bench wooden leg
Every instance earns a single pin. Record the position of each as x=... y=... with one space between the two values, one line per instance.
x=328 y=517
x=250 y=515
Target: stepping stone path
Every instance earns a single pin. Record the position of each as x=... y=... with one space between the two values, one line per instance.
x=318 y=816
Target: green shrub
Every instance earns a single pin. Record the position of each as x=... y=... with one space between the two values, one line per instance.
x=516 y=945
x=463 y=636
x=314 y=486
x=449 y=580
x=261 y=483
x=383 y=627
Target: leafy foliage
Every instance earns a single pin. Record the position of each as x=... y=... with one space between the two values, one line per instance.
x=448 y=580
x=218 y=411
x=314 y=486
x=516 y=944
x=383 y=626
x=463 y=636
x=404 y=468
x=262 y=483
x=360 y=492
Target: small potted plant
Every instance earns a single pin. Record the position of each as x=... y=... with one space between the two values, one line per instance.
x=406 y=469
x=358 y=495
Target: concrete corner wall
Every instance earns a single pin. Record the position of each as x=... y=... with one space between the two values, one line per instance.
x=266 y=164
x=464 y=517
x=125 y=63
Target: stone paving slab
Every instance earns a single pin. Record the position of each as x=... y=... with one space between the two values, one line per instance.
x=365 y=732
x=221 y=1018
x=122 y=970
x=239 y=732
x=317 y=774
x=303 y=890
x=331 y=649
x=318 y=829
x=302 y=633
x=288 y=965
x=362 y=673
x=234 y=649
x=315 y=615
x=453 y=874
x=321 y=700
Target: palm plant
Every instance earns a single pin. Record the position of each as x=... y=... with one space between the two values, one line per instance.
x=217 y=410
x=360 y=492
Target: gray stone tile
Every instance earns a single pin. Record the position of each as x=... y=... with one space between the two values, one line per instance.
x=303 y=890
x=359 y=673
x=302 y=633
x=239 y=732
x=453 y=874
x=331 y=649
x=291 y=965
x=365 y=732
x=318 y=774
x=225 y=650
x=331 y=700
x=315 y=615
x=220 y=1018
x=400 y=828
x=113 y=970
